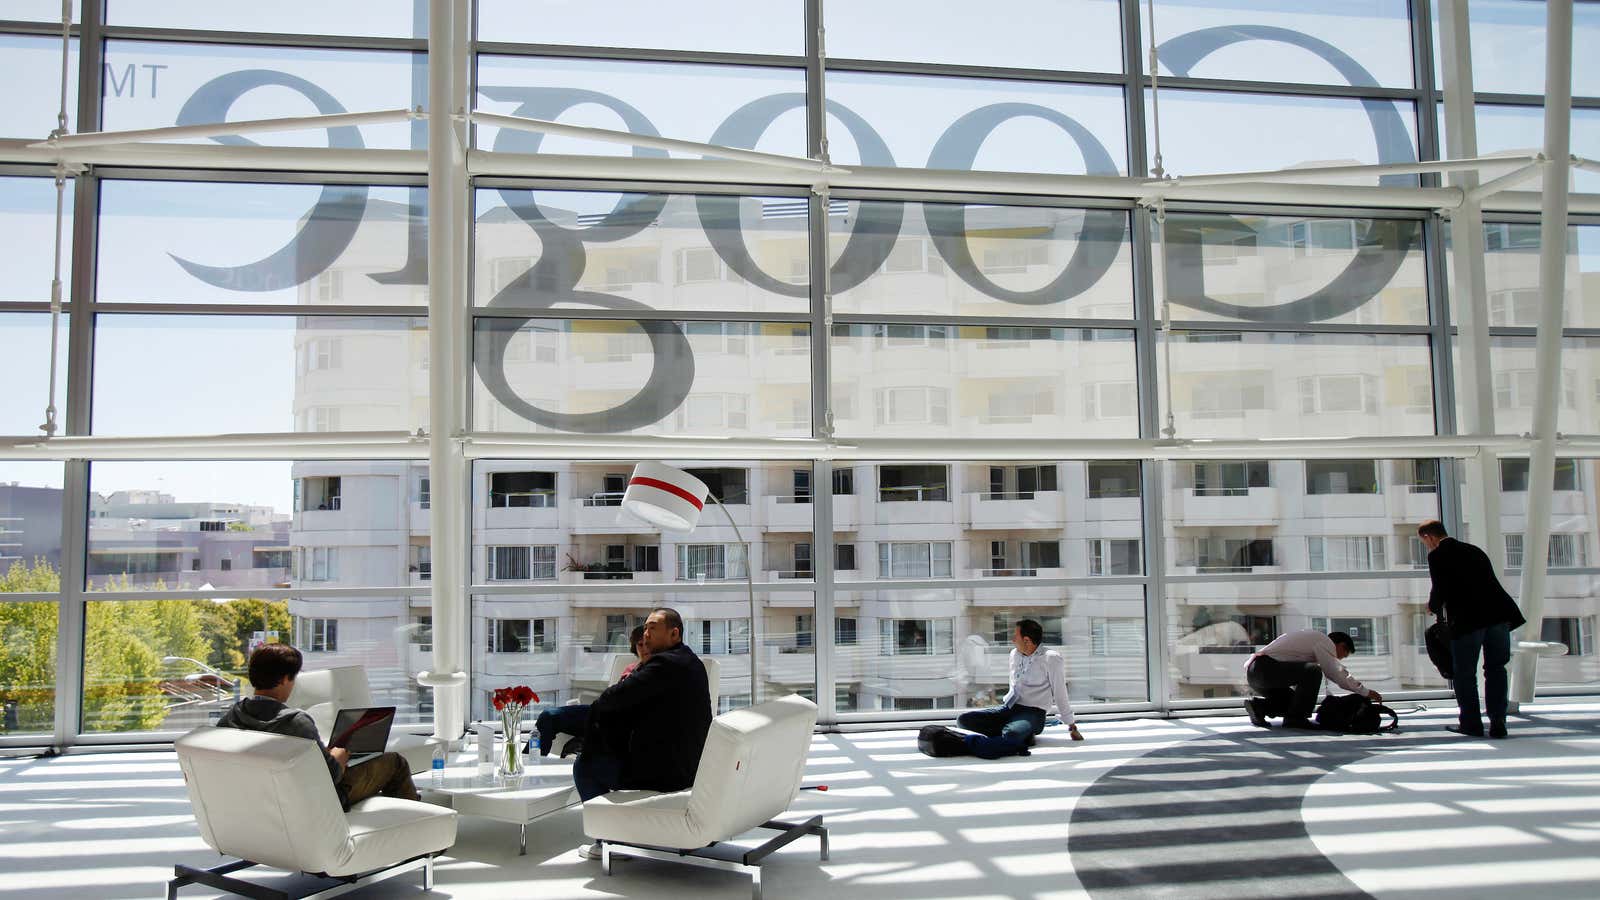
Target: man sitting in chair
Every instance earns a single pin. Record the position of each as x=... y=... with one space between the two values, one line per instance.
x=573 y=719
x=273 y=669
x=646 y=731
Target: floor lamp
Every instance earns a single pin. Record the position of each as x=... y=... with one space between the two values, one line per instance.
x=672 y=500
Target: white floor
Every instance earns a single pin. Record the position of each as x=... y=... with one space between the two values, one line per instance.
x=1526 y=811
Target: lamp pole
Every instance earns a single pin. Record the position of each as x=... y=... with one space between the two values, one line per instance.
x=750 y=591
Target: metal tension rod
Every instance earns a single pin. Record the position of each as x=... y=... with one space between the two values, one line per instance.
x=218 y=129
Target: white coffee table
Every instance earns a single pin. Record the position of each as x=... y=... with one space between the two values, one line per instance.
x=545 y=787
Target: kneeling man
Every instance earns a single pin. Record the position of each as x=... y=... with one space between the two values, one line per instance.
x=1287 y=676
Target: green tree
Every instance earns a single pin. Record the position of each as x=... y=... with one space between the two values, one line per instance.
x=28 y=648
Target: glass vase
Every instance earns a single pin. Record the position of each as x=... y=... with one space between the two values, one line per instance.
x=511 y=761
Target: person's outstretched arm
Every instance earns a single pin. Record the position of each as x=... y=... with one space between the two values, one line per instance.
x=1058 y=689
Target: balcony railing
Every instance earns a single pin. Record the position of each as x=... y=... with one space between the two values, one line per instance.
x=1008 y=573
x=915 y=492
x=604 y=498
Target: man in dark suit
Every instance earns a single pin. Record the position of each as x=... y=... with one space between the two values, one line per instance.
x=646 y=731
x=1480 y=616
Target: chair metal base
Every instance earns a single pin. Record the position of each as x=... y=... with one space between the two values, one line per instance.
x=721 y=856
x=310 y=887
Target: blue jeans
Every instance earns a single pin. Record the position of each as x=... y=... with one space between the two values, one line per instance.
x=1494 y=643
x=1001 y=731
x=595 y=773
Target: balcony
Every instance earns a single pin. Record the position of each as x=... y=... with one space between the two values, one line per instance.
x=1413 y=506
x=1562 y=503
x=1211 y=665
x=1021 y=509
x=1227 y=593
x=523 y=511
x=912 y=506
x=1112 y=509
x=602 y=514
x=795 y=513
x=1346 y=506
x=1199 y=508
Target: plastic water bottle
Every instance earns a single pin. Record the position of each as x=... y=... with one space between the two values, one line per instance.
x=438 y=766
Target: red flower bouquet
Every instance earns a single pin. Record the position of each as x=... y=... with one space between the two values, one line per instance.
x=509 y=702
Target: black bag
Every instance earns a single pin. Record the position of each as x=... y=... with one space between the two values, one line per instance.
x=941 y=740
x=1354 y=714
x=1437 y=639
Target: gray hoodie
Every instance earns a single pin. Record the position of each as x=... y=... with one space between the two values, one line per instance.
x=267 y=714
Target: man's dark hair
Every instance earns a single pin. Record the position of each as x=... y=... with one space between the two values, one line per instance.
x=1432 y=528
x=1339 y=638
x=272 y=663
x=671 y=615
x=634 y=637
x=1031 y=630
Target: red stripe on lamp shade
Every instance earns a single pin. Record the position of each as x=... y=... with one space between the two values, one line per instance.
x=669 y=487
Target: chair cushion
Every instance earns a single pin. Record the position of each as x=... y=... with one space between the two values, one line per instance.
x=643 y=817
x=416 y=748
x=385 y=831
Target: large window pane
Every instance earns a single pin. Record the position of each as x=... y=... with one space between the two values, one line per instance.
x=195 y=242
x=948 y=648
x=1296 y=269
x=37 y=10
x=1513 y=373
x=1503 y=129
x=1324 y=42
x=1002 y=126
x=1240 y=384
x=972 y=381
x=1216 y=626
x=1306 y=131
x=36 y=61
x=25 y=372
x=1511 y=275
x=658 y=377
x=944 y=259
x=1508 y=43
x=658 y=251
x=384 y=18
x=27 y=238
x=283 y=373
x=151 y=84
x=729 y=26
x=30 y=526
x=691 y=102
x=27 y=666
x=1078 y=35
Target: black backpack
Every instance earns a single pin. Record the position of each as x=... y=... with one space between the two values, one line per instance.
x=1354 y=714
x=1437 y=640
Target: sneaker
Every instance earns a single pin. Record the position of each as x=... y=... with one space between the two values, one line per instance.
x=1257 y=717
x=590 y=851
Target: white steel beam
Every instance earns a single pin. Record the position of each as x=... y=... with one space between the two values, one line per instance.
x=1547 y=342
x=1298 y=175
x=628 y=138
x=1475 y=196
x=447 y=190
x=218 y=129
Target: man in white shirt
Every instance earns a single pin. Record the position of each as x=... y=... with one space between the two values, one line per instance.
x=1287 y=676
x=1038 y=678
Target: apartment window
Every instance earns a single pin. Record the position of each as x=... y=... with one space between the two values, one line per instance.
x=1019 y=403
x=225 y=564
x=710 y=561
x=699 y=264
x=1568 y=550
x=712 y=411
x=1341 y=476
x=1416 y=552
x=1262 y=630
x=844 y=482
x=1229 y=396
x=522 y=489
x=1370 y=635
x=1229 y=479
x=802 y=560
x=913 y=483
x=618 y=627
x=718 y=637
x=1119 y=478
x=997 y=557
x=320 y=563
x=319 y=354
x=319 y=418
x=905 y=336
x=1041 y=555
x=801 y=483
x=320 y=493
x=521 y=563
x=1574 y=631
x=647 y=558
x=1020 y=482
x=1015 y=257
x=1322 y=237
x=804 y=630
x=1120 y=636
x=510 y=635
x=917 y=637
x=910 y=255
x=1338 y=394
x=1219 y=554
x=914 y=559
x=422 y=634
x=1115 y=556
x=727 y=338
x=1419 y=476
x=844 y=557
x=919 y=704
x=330 y=286
x=1514 y=475
x=1519 y=389
x=317 y=635
x=731 y=486
x=424 y=492
x=844 y=632
x=213 y=525
x=1004 y=623
x=1110 y=400
x=1360 y=553
x=507 y=269
x=912 y=406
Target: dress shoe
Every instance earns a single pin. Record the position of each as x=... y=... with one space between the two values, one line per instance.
x=1257 y=717
x=1305 y=724
x=1497 y=730
x=574 y=747
x=1464 y=732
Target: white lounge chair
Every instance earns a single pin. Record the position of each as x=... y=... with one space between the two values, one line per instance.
x=324 y=692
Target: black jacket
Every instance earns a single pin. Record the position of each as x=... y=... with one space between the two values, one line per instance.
x=1466 y=591
x=655 y=721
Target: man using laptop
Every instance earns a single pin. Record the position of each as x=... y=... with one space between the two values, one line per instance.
x=273 y=669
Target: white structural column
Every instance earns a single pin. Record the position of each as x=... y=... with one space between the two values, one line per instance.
x=1474 y=379
x=1547 y=344
x=447 y=372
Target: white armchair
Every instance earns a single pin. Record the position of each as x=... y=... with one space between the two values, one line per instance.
x=323 y=692
x=749 y=773
x=267 y=799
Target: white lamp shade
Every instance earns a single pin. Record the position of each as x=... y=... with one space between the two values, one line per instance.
x=666 y=497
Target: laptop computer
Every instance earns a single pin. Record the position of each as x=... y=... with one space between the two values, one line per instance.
x=364 y=731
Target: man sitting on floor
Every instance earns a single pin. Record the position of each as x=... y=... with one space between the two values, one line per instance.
x=1287 y=676
x=273 y=669
x=573 y=719
x=1038 y=678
